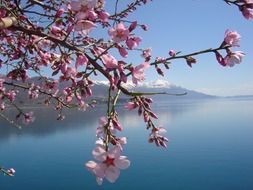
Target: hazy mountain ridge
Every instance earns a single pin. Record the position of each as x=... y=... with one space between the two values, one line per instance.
x=100 y=91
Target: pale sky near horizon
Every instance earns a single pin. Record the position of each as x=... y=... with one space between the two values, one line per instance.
x=193 y=25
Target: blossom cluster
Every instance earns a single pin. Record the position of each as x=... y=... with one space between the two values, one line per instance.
x=231 y=39
x=245 y=6
x=144 y=109
x=108 y=150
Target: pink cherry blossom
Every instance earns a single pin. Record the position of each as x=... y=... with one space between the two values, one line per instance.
x=45 y=58
x=133 y=42
x=132 y=26
x=51 y=85
x=122 y=51
x=11 y=95
x=157 y=137
x=92 y=15
x=70 y=72
x=109 y=61
x=84 y=26
x=110 y=163
x=75 y=5
x=116 y=124
x=103 y=16
x=220 y=59
x=103 y=121
x=247 y=12
x=131 y=105
x=88 y=91
x=146 y=54
x=33 y=91
x=82 y=105
x=82 y=5
x=138 y=72
x=172 y=53
x=246 y=8
x=28 y=118
x=119 y=141
x=232 y=38
x=57 y=31
x=100 y=129
x=42 y=43
x=68 y=93
x=233 y=58
x=81 y=60
x=119 y=34
x=82 y=16
x=59 y=12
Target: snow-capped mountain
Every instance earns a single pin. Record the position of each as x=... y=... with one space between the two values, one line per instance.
x=100 y=90
x=157 y=84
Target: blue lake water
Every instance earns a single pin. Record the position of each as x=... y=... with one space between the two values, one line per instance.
x=211 y=147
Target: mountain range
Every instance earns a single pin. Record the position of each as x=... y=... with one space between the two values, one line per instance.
x=157 y=86
x=100 y=91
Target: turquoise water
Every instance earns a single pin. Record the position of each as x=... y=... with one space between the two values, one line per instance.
x=211 y=147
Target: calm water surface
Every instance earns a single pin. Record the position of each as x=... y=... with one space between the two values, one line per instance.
x=211 y=147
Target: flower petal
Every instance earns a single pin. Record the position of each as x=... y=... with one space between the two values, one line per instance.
x=99 y=170
x=90 y=165
x=114 y=152
x=75 y=6
x=122 y=162
x=99 y=153
x=162 y=130
x=112 y=174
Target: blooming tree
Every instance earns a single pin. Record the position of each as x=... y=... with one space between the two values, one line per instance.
x=56 y=36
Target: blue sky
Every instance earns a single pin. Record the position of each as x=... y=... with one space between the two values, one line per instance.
x=189 y=26
x=193 y=25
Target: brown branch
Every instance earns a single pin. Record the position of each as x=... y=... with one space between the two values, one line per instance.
x=43 y=5
x=125 y=11
x=210 y=50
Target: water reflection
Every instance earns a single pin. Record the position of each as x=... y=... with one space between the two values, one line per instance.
x=210 y=148
x=46 y=122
